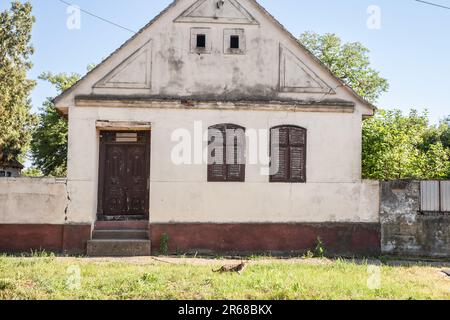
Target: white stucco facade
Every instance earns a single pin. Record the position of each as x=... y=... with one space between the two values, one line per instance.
x=180 y=193
x=161 y=79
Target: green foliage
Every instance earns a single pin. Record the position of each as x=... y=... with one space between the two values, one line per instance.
x=112 y=279
x=404 y=147
x=61 y=81
x=32 y=173
x=319 y=250
x=164 y=244
x=394 y=146
x=49 y=144
x=6 y=284
x=16 y=119
x=444 y=132
x=41 y=254
x=348 y=61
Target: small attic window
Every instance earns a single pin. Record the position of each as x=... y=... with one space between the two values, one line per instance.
x=201 y=41
x=234 y=42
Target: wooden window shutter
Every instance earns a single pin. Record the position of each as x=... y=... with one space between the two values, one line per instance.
x=233 y=166
x=296 y=164
x=236 y=155
x=297 y=139
x=291 y=155
x=281 y=155
x=216 y=154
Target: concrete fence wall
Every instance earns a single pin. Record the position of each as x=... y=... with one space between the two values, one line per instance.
x=33 y=217
x=405 y=229
x=33 y=200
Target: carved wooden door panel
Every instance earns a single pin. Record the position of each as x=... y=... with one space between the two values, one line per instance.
x=137 y=180
x=115 y=186
x=124 y=174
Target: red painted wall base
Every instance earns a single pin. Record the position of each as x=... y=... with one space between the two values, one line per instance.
x=71 y=239
x=346 y=239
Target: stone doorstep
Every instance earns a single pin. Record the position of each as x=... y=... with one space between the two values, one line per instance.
x=118 y=248
x=120 y=239
x=122 y=225
x=124 y=234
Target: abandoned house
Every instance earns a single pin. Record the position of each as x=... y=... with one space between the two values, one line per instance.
x=202 y=67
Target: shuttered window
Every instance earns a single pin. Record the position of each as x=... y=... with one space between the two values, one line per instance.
x=226 y=153
x=288 y=152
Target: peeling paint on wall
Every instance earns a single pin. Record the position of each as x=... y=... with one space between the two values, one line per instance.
x=405 y=229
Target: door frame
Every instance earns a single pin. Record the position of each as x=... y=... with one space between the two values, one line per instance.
x=101 y=174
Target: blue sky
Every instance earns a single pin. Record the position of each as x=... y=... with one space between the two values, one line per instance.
x=411 y=49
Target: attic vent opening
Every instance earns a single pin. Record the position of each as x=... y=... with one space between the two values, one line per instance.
x=234 y=42
x=201 y=41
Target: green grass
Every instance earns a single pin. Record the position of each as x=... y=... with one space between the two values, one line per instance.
x=49 y=277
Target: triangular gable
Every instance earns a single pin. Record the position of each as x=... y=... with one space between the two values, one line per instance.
x=318 y=61
x=296 y=76
x=188 y=14
x=214 y=11
x=134 y=72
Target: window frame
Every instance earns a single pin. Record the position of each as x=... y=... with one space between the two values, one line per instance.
x=289 y=146
x=225 y=166
x=195 y=31
x=236 y=32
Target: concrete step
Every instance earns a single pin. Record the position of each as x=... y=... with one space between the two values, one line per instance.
x=118 y=248
x=121 y=225
x=120 y=234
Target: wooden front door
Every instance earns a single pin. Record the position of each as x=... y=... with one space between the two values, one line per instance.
x=124 y=177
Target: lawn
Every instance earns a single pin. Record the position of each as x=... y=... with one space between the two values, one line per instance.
x=178 y=278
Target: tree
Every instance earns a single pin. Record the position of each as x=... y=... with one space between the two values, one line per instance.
x=348 y=61
x=16 y=119
x=444 y=132
x=49 y=144
x=32 y=173
x=394 y=146
x=403 y=147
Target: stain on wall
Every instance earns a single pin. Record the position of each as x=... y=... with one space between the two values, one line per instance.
x=405 y=230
